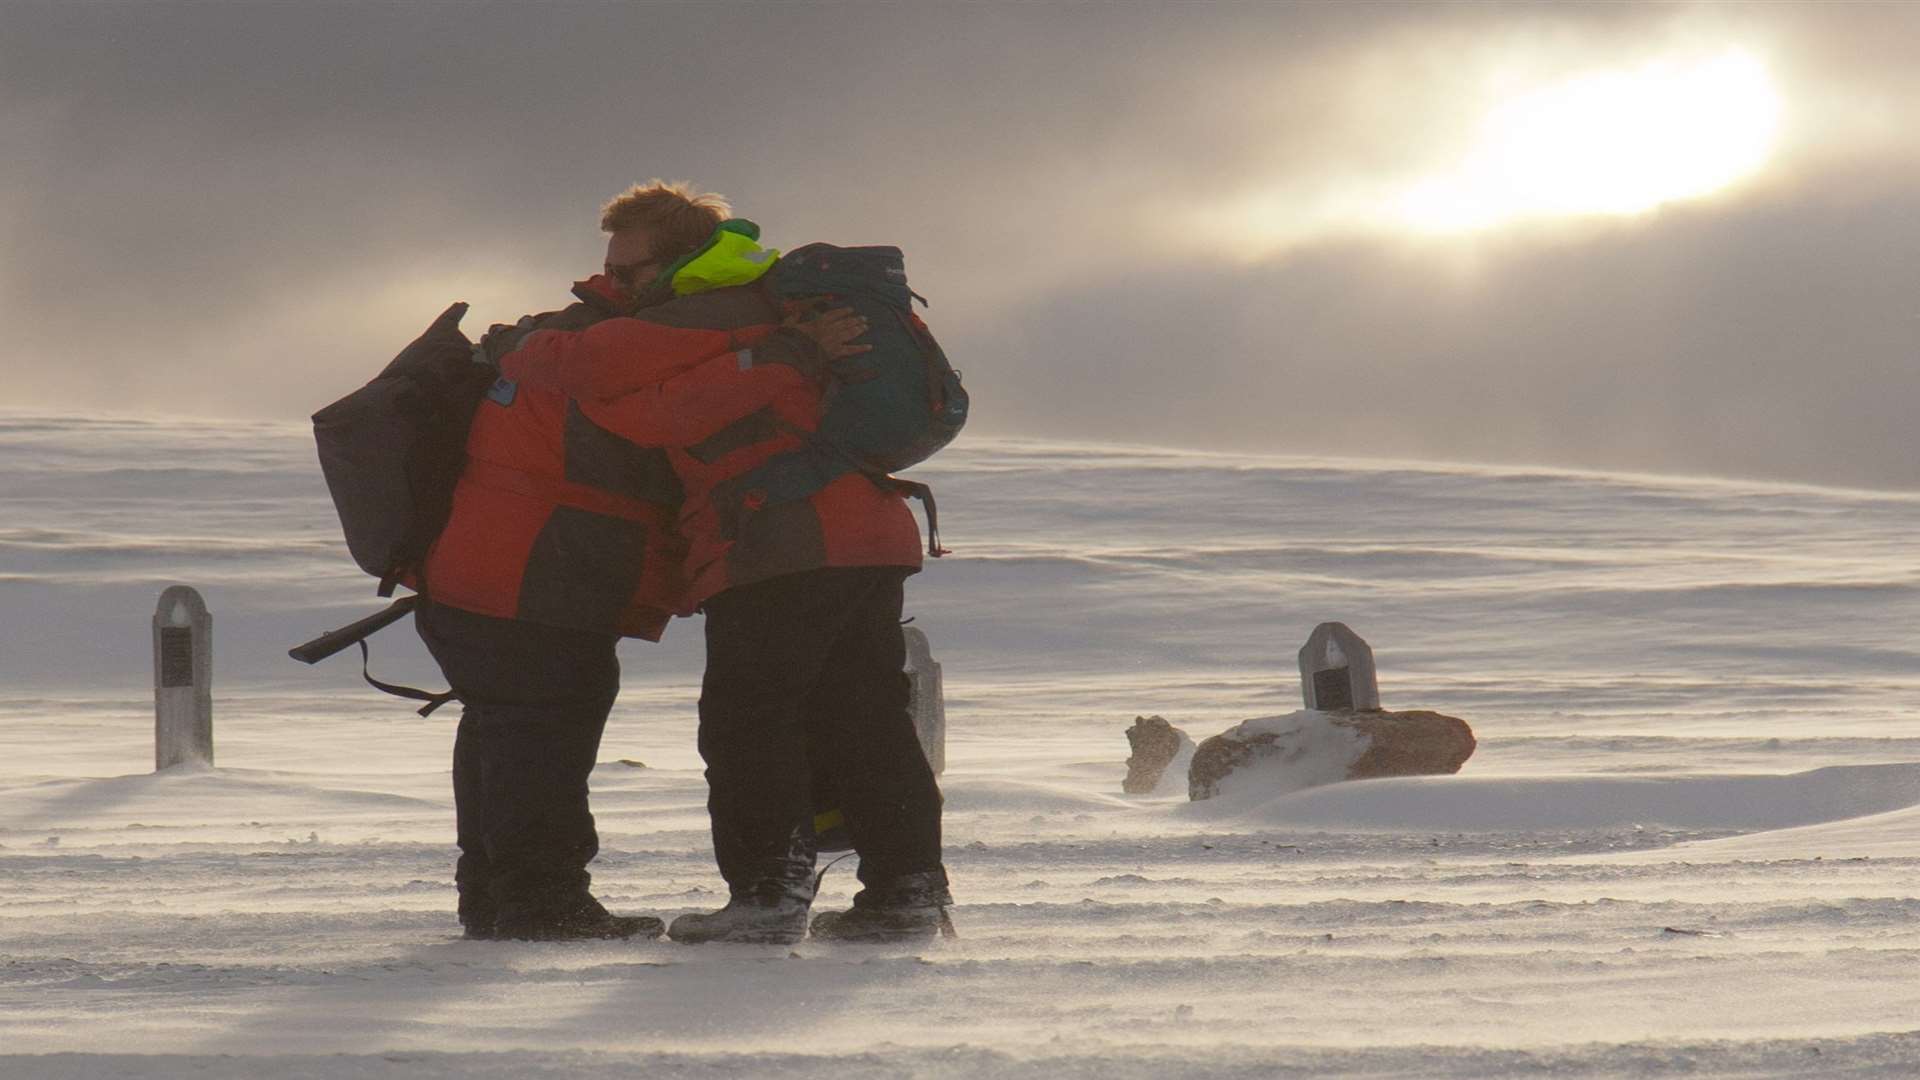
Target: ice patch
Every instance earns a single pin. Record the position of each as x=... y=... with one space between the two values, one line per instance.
x=970 y=794
x=292 y=902
x=1463 y=804
x=190 y=796
x=1891 y=835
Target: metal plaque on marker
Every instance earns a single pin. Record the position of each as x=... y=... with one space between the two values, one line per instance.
x=1333 y=688
x=176 y=656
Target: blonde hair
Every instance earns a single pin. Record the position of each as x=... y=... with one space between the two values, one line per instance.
x=680 y=218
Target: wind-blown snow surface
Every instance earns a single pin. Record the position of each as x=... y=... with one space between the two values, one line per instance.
x=1687 y=843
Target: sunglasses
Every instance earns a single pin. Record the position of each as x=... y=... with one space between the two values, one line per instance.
x=633 y=275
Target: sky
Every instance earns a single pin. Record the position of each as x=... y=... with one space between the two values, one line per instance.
x=1664 y=237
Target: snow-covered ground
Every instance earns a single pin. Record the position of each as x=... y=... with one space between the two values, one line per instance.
x=1689 y=843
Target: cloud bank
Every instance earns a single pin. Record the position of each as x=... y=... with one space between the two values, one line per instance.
x=1138 y=222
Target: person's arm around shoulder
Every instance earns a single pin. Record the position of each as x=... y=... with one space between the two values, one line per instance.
x=686 y=408
x=613 y=357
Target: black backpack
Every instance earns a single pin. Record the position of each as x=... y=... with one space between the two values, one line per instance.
x=393 y=450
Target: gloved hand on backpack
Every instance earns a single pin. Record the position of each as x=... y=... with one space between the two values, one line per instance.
x=501 y=339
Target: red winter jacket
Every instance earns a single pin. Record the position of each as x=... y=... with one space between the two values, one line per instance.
x=565 y=514
x=716 y=421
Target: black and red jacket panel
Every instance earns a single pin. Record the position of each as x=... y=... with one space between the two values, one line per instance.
x=589 y=495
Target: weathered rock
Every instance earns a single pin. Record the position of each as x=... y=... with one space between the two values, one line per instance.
x=1156 y=744
x=1412 y=743
x=1308 y=748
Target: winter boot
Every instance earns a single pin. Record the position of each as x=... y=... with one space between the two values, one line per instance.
x=477 y=910
x=912 y=907
x=584 y=919
x=477 y=920
x=755 y=918
x=771 y=895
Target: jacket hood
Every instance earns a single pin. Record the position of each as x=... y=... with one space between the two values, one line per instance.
x=731 y=256
x=600 y=292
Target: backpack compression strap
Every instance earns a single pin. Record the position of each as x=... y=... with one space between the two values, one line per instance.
x=839 y=464
x=357 y=633
x=413 y=693
x=914 y=490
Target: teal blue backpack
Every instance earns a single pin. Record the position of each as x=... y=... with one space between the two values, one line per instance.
x=884 y=410
x=895 y=406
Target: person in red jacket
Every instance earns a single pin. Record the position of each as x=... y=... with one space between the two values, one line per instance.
x=802 y=600
x=562 y=539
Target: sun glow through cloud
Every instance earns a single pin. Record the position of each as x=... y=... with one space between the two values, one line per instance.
x=1610 y=142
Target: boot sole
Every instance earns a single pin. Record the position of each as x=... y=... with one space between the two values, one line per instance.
x=646 y=931
x=764 y=938
x=883 y=935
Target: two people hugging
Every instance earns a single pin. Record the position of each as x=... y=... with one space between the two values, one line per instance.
x=636 y=460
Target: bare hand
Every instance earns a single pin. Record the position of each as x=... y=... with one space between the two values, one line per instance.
x=832 y=332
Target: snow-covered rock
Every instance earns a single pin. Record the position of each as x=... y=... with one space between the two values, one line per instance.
x=1157 y=745
x=1303 y=749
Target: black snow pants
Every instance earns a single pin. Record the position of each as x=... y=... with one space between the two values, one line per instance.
x=813 y=661
x=536 y=702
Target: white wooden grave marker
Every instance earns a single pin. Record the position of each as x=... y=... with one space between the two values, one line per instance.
x=1336 y=670
x=182 y=679
x=927 y=701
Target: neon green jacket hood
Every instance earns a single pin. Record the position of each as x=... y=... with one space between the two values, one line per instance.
x=731 y=256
